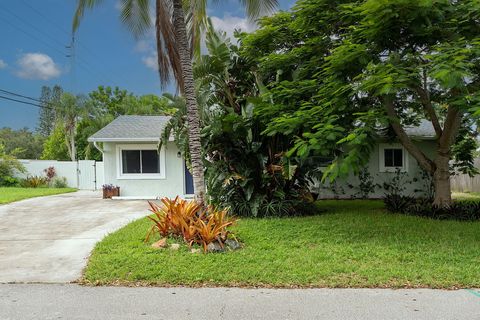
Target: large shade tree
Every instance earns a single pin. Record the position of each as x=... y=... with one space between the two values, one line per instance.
x=175 y=49
x=340 y=70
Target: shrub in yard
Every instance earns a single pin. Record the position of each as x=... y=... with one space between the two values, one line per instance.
x=60 y=182
x=34 y=182
x=8 y=166
x=187 y=220
x=397 y=203
x=461 y=210
x=423 y=207
x=50 y=173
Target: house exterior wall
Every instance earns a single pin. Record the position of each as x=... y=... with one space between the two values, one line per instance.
x=170 y=184
x=412 y=171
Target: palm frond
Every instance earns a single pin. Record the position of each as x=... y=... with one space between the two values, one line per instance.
x=135 y=15
x=167 y=49
x=80 y=11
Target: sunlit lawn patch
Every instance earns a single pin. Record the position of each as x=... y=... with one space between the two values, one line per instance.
x=8 y=195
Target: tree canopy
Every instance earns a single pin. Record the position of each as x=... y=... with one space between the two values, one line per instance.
x=339 y=71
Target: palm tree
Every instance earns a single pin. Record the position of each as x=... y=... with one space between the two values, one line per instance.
x=68 y=112
x=175 y=49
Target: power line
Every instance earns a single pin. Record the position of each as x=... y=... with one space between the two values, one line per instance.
x=43 y=104
x=20 y=95
x=26 y=102
x=61 y=28
x=84 y=65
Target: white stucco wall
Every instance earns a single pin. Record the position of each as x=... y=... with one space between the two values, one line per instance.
x=428 y=147
x=170 y=186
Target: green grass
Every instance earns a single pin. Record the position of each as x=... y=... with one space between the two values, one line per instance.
x=350 y=244
x=466 y=195
x=8 y=195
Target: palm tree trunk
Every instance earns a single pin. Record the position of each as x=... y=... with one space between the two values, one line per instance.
x=193 y=117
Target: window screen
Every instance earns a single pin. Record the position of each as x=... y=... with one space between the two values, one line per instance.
x=140 y=161
x=393 y=157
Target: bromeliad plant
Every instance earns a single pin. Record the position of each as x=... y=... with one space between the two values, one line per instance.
x=188 y=220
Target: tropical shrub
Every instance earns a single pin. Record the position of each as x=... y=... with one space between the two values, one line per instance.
x=422 y=207
x=34 y=182
x=189 y=221
x=50 y=173
x=251 y=173
x=246 y=171
x=9 y=165
x=60 y=182
x=397 y=203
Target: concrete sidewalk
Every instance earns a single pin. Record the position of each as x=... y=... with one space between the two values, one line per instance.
x=76 y=302
x=48 y=239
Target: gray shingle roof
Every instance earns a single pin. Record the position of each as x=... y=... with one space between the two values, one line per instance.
x=424 y=130
x=132 y=128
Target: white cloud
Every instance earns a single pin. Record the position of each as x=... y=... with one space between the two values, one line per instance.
x=3 y=64
x=230 y=23
x=37 y=66
x=151 y=61
x=144 y=45
x=118 y=5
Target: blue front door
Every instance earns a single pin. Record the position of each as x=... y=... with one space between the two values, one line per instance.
x=188 y=181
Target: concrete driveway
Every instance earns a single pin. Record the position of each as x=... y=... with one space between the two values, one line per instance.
x=48 y=239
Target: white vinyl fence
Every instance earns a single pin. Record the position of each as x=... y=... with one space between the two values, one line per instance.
x=465 y=183
x=81 y=174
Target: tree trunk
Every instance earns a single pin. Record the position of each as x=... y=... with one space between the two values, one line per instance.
x=441 y=182
x=70 y=142
x=193 y=117
x=73 y=147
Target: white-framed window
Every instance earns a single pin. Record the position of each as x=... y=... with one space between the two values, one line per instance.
x=392 y=157
x=140 y=161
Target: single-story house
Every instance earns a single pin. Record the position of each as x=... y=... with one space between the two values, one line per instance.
x=385 y=160
x=132 y=161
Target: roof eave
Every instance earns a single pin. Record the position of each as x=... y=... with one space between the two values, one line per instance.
x=123 y=139
x=156 y=139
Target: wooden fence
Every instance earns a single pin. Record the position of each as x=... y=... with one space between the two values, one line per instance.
x=464 y=183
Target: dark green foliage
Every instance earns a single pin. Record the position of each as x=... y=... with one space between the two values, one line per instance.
x=459 y=210
x=50 y=98
x=333 y=70
x=245 y=170
x=466 y=142
x=9 y=166
x=398 y=203
x=249 y=173
x=22 y=143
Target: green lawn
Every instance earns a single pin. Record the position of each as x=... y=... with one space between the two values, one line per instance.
x=466 y=195
x=350 y=244
x=8 y=195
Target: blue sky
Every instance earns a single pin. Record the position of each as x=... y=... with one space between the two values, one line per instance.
x=33 y=51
